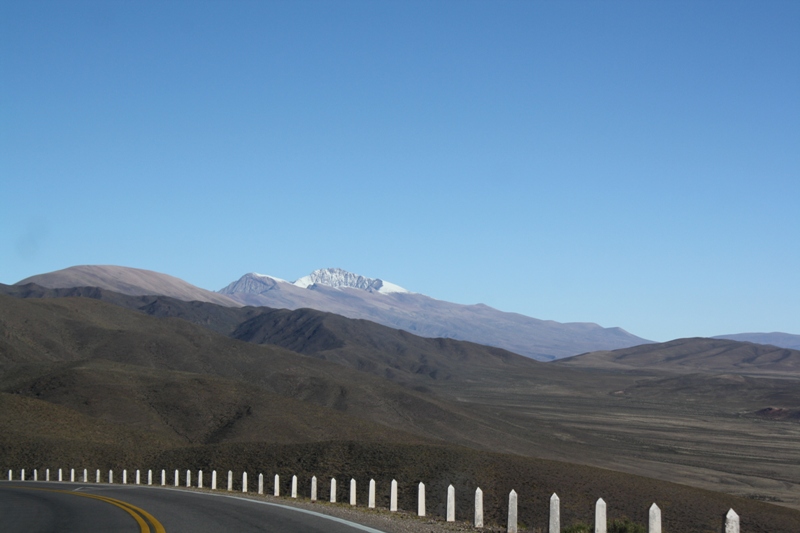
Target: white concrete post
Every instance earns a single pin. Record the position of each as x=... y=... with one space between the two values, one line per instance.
x=393 y=497
x=600 y=522
x=199 y=479
x=352 y=491
x=163 y=477
x=150 y=477
x=60 y=478
x=512 y=512
x=276 y=491
x=188 y=478
x=47 y=475
x=421 y=499
x=261 y=483
x=22 y=475
x=10 y=475
x=371 y=500
x=654 y=524
x=72 y=475
x=85 y=475
x=213 y=480
x=244 y=481
x=138 y=477
x=177 y=478
x=125 y=476
x=555 y=514
x=36 y=474
x=451 y=503
x=333 y=490
x=294 y=486
x=230 y=481
x=478 y=507
x=731 y=522
x=97 y=476
x=314 y=488
x=110 y=477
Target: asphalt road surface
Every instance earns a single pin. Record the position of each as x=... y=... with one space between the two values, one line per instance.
x=39 y=507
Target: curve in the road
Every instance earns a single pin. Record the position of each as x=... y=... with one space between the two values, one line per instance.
x=54 y=518
x=178 y=510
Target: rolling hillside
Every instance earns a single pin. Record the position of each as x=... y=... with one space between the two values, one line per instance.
x=696 y=354
x=117 y=375
x=783 y=340
x=126 y=280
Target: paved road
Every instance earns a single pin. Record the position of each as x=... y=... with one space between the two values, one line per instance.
x=37 y=507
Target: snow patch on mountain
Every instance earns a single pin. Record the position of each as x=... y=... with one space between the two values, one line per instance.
x=268 y=277
x=253 y=283
x=338 y=278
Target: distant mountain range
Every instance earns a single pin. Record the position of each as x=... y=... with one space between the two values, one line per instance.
x=696 y=355
x=783 y=340
x=341 y=292
x=355 y=296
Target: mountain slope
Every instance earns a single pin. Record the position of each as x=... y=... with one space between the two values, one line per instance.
x=335 y=291
x=380 y=350
x=186 y=382
x=186 y=408
x=359 y=344
x=125 y=280
x=782 y=340
x=696 y=354
x=37 y=335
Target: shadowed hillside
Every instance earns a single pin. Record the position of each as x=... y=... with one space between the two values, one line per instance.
x=186 y=386
x=391 y=353
x=39 y=333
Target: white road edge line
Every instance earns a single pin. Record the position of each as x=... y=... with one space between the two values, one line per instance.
x=313 y=513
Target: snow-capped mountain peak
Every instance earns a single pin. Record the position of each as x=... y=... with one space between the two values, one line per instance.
x=334 y=290
x=338 y=278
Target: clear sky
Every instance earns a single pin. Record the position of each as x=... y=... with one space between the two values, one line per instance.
x=634 y=164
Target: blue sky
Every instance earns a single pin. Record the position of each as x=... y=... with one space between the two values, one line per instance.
x=634 y=164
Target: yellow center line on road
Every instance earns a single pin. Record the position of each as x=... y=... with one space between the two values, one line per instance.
x=136 y=512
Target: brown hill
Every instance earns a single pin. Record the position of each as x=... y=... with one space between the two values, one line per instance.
x=218 y=318
x=782 y=340
x=695 y=354
x=125 y=280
